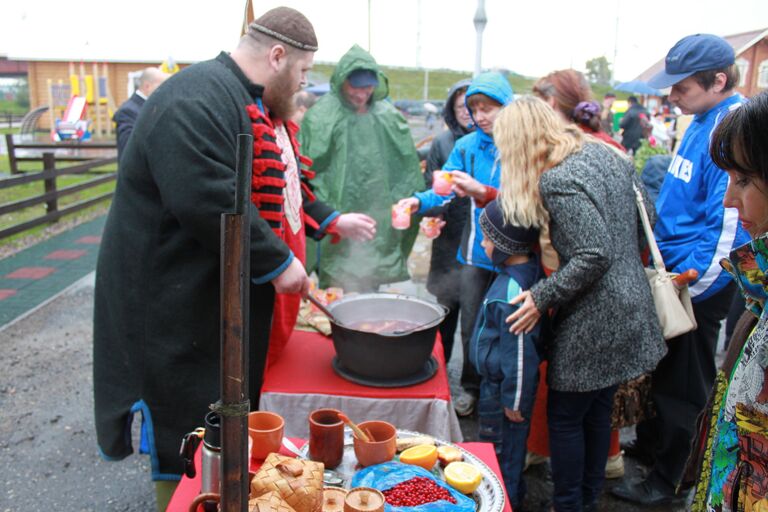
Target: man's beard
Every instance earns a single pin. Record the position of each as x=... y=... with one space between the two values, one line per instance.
x=278 y=96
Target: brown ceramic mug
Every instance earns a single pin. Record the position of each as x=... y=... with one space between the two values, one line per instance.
x=382 y=446
x=326 y=437
x=266 y=430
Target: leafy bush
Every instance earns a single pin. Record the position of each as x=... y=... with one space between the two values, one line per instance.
x=646 y=151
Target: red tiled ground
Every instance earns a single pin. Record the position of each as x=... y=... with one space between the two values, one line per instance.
x=96 y=240
x=5 y=293
x=31 y=273
x=66 y=254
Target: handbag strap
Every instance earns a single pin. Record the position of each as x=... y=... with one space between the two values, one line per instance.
x=658 y=262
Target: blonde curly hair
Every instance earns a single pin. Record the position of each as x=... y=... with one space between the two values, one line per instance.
x=531 y=138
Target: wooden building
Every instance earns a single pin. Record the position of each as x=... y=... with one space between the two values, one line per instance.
x=117 y=74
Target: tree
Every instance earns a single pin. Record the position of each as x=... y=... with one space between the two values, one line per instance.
x=599 y=70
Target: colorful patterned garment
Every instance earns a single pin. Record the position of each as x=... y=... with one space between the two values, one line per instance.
x=738 y=444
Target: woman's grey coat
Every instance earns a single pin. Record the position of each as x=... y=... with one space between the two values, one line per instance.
x=605 y=326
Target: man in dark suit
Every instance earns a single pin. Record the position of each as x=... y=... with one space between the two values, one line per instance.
x=126 y=115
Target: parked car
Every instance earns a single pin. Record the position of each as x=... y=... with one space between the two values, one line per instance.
x=411 y=108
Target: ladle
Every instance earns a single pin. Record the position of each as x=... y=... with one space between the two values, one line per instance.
x=323 y=308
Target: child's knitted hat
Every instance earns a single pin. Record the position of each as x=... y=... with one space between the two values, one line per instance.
x=507 y=238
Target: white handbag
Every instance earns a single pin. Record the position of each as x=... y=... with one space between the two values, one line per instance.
x=673 y=302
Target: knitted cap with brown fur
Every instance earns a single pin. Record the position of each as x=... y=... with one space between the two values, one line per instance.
x=286 y=25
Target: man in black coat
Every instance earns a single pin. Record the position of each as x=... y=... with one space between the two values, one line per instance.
x=157 y=302
x=125 y=117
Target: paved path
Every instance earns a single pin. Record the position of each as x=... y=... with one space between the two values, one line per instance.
x=34 y=275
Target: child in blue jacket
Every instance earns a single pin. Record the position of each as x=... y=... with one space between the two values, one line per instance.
x=507 y=363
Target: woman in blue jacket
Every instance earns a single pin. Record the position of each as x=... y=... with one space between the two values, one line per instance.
x=475 y=174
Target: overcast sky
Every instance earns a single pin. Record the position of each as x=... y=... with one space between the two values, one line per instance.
x=529 y=37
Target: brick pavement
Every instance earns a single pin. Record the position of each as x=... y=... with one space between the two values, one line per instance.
x=38 y=273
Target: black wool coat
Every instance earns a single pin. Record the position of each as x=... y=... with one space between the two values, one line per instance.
x=157 y=312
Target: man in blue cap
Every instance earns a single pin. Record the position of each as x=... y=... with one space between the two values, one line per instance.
x=694 y=231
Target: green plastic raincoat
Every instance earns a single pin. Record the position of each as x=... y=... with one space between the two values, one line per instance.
x=365 y=163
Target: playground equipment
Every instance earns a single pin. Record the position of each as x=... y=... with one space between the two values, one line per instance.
x=73 y=125
x=72 y=103
x=169 y=66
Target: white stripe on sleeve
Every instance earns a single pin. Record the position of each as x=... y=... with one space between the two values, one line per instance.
x=724 y=244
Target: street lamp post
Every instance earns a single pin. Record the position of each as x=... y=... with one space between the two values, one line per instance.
x=479 y=20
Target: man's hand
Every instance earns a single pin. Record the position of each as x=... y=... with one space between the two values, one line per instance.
x=410 y=203
x=525 y=317
x=356 y=226
x=465 y=185
x=293 y=279
x=513 y=415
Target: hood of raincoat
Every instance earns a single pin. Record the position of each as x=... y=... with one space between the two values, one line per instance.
x=365 y=162
x=449 y=115
x=495 y=86
x=357 y=58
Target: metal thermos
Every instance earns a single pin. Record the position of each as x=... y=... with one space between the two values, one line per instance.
x=211 y=457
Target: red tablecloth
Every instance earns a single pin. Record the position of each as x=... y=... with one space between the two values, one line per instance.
x=313 y=353
x=303 y=380
x=190 y=487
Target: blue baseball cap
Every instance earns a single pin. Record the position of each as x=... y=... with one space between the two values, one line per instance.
x=362 y=78
x=691 y=54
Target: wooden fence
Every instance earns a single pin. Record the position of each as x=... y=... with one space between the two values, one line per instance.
x=10 y=119
x=32 y=150
x=52 y=193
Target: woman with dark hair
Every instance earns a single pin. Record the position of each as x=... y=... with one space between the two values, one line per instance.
x=735 y=474
x=444 y=270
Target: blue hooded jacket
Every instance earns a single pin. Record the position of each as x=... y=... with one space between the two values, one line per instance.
x=693 y=229
x=474 y=154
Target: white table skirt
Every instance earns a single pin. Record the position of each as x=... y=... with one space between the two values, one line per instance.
x=435 y=417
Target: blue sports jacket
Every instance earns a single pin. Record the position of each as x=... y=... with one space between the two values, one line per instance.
x=693 y=229
x=474 y=154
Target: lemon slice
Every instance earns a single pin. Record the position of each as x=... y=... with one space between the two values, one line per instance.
x=463 y=477
x=424 y=455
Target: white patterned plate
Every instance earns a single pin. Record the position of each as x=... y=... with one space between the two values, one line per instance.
x=489 y=496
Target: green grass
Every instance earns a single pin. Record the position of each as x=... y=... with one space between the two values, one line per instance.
x=37 y=188
x=13 y=107
x=408 y=83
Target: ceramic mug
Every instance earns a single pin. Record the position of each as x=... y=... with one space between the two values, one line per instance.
x=266 y=431
x=382 y=446
x=326 y=437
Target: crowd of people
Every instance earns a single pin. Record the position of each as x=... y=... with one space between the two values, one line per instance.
x=539 y=261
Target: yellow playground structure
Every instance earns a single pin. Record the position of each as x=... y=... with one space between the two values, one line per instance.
x=83 y=106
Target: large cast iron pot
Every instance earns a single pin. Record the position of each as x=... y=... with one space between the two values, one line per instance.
x=385 y=355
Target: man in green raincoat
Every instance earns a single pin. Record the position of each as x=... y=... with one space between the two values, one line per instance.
x=365 y=160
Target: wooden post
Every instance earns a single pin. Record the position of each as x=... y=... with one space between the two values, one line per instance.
x=235 y=287
x=11 y=153
x=111 y=107
x=49 y=164
x=97 y=99
x=51 y=106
